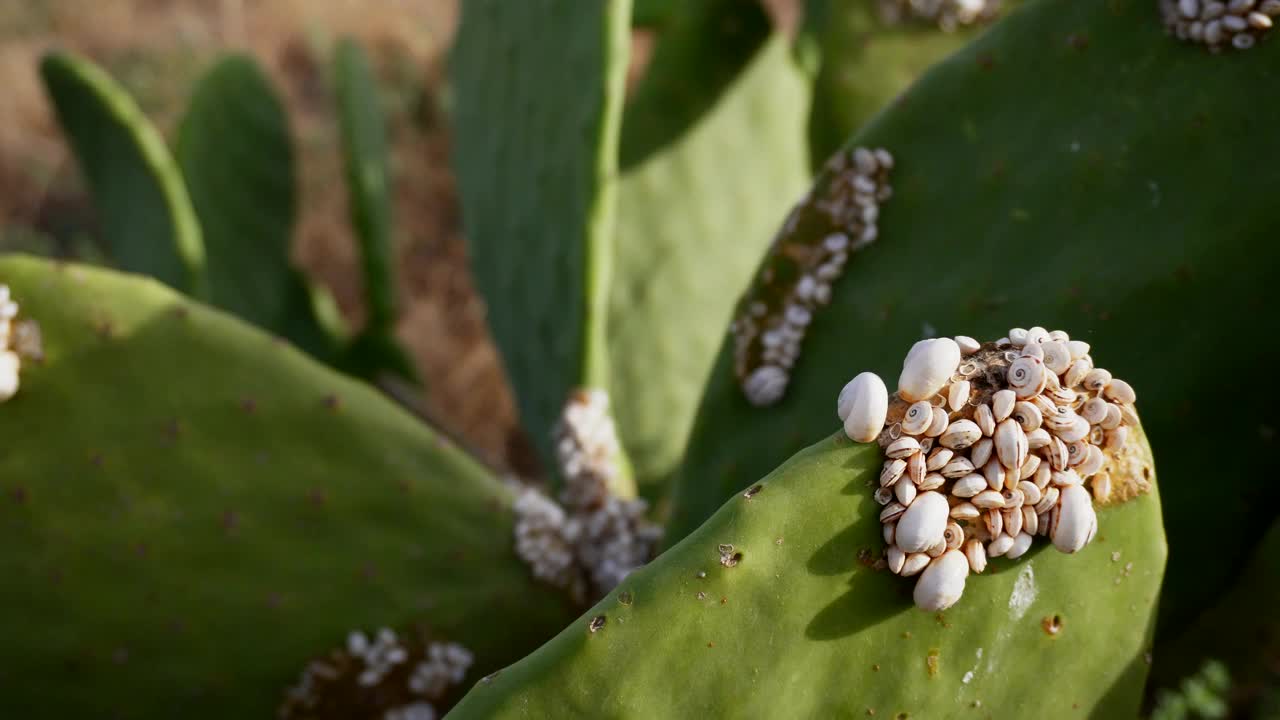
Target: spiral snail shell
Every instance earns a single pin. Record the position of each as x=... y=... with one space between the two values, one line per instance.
x=1026 y=377
x=918 y=418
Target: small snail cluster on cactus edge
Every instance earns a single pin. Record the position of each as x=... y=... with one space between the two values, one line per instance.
x=385 y=676
x=948 y=15
x=597 y=538
x=16 y=339
x=796 y=277
x=987 y=446
x=1238 y=24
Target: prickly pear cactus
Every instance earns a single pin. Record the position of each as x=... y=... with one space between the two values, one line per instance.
x=872 y=51
x=775 y=608
x=537 y=159
x=375 y=350
x=192 y=510
x=651 y=13
x=147 y=218
x=364 y=148
x=1007 y=213
x=695 y=213
x=697 y=64
x=237 y=160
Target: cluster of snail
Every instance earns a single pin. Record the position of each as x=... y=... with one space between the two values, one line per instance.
x=948 y=15
x=797 y=275
x=595 y=539
x=1238 y=23
x=987 y=446
x=383 y=676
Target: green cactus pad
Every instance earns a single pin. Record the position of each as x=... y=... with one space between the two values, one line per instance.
x=364 y=150
x=651 y=13
x=801 y=625
x=237 y=158
x=191 y=510
x=147 y=218
x=866 y=64
x=693 y=220
x=1054 y=173
x=539 y=88
x=375 y=351
x=699 y=59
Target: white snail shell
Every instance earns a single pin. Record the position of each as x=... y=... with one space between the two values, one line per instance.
x=1027 y=415
x=1026 y=377
x=958 y=395
x=939 y=424
x=1076 y=519
x=1094 y=410
x=10 y=364
x=960 y=435
x=938 y=459
x=981 y=452
x=994 y=473
x=1057 y=358
x=924 y=522
x=1096 y=379
x=1077 y=372
x=985 y=419
x=905 y=492
x=868 y=405
x=903 y=447
x=1077 y=429
x=1066 y=478
x=1092 y=463
x=969 y=485
x=1011 y=444
x=957 y=468
x=895 y=558
x=766 y=385
x=1038 y=438
x=1102 y=486
x=928 y=368
x=999 y=546
x=976 y=554
x=942 y=583
x=918 y=418
x=1120 y=391
x=1002 y=404
x=914 y=564
x=1030 y=492
x=1020 y=545
x=988 y=500
x=1030 y=466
